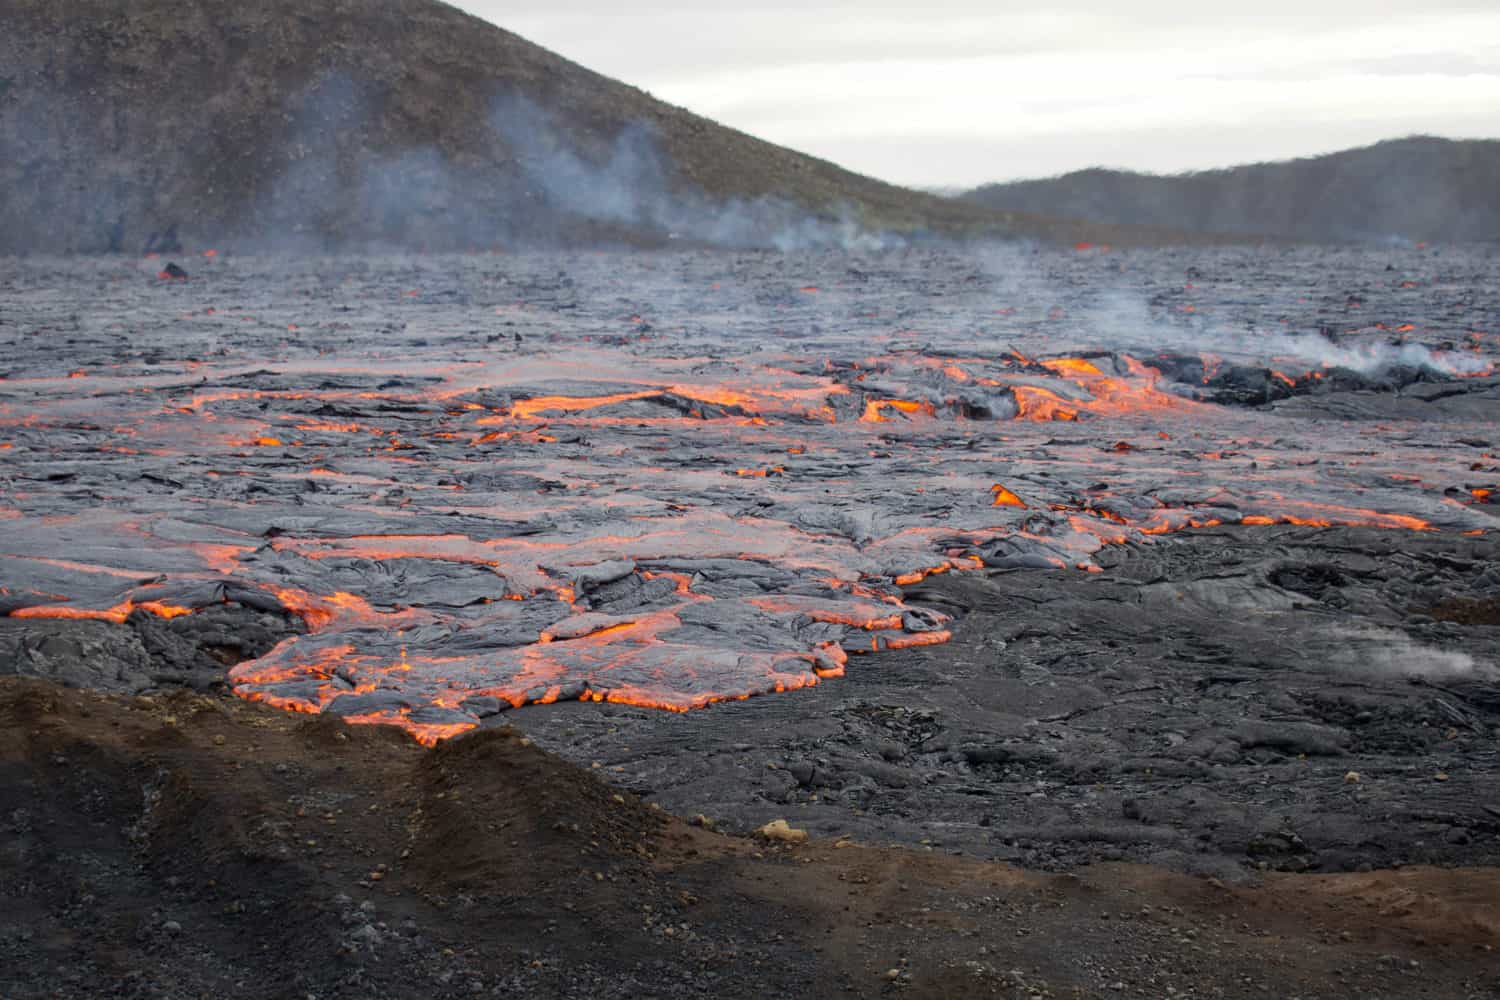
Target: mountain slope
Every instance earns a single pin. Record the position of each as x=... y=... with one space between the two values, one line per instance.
x=383 y=122
x=1418 y=188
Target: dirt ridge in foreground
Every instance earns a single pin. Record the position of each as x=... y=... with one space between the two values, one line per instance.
x=188 y=845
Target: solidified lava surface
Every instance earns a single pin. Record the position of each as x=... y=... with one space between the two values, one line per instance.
x=483 y=482
x=181 y=845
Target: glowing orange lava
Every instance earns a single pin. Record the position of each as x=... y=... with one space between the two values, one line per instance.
x=1005 y=498
x=116 y=614
x=874 y=411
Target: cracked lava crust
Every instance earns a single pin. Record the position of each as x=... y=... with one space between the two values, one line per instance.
x=1035 y=525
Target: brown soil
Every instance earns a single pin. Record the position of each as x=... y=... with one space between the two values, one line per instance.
x=196 y=845
x=1478 y=611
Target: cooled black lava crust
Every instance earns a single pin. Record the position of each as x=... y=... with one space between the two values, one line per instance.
x=1175 y=555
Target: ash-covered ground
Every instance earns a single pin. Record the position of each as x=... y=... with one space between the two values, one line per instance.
x=1179 y=556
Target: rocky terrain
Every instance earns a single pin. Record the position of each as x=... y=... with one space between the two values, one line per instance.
x=156 y=125
x=1415 y=188
x=1165 y=576
x=188 y=845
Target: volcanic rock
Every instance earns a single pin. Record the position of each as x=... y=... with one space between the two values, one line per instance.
x=1416 y=188
x=503 y=866
x=410 y=124
x=778 y=829
x=382 y=516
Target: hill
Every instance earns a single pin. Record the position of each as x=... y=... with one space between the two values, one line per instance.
x=1416 y=188
x=402 y=123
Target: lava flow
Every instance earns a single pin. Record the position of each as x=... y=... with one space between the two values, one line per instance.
x=485 y=507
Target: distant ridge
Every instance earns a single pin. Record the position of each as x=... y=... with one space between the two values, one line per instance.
x=1416 y=188
x=131 y=124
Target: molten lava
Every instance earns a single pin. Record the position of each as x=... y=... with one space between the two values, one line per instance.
x=521 y=502
x=1005 y=498
x=875 y=409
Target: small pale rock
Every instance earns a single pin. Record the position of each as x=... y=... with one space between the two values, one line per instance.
x=778 y=829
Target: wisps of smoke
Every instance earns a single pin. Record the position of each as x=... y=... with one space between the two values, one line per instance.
x=633 y=186
x=1255 y=345
x=1391 y=654
x=331 y=170
x=530 y=184
x=1112 y=317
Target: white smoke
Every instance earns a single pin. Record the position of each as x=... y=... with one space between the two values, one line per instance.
x=632 y=184
x=1113 y=317
x=1310 y=351
x=526 y=177
x=1386 y=653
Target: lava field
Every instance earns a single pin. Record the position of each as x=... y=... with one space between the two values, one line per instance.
x=425 y=490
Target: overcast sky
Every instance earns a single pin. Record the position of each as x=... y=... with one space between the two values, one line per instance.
x=959 y=93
